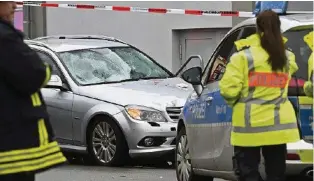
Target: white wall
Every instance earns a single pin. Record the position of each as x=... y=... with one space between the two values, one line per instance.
x=151 y=33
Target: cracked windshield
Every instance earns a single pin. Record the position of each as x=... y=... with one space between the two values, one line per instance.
x=114 y=64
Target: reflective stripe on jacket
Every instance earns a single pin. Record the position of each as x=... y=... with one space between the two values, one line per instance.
x=35 y=159
x=262 y=113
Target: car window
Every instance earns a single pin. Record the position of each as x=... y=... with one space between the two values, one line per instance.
x=113 y=64
x=48 y=59
x=248 y=31
x=301 y=50
x=221 y=57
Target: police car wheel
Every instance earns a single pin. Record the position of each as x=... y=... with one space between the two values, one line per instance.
x=106 y=143
x=184 y=170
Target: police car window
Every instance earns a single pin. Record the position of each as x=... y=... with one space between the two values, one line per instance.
x=302 y=51
x=248 y=31
x=47 y=59
x=221 y=58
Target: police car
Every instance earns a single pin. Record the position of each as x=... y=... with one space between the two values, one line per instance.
x=203 y=150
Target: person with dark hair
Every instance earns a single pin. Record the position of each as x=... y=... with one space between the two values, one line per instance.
x=27 y=144
x=255 y=85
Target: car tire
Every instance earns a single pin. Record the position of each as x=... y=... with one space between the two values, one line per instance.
x=183 y=161
x=106 y=143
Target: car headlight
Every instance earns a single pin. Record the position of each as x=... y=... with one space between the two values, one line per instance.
x=145 y=114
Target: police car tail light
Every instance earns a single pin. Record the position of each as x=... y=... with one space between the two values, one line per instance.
x=293 y=156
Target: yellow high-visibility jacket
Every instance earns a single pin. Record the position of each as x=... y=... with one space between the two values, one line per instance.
x=308 y=86
x=262 y=114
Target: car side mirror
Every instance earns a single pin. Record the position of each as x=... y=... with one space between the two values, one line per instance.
x=194 y=76
x=55 y=82
x=188 y=61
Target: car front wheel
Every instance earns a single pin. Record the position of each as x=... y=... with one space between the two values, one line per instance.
x=183 y=164
x=106 y=143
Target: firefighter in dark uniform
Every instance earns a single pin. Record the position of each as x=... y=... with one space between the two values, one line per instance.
x=27 y=145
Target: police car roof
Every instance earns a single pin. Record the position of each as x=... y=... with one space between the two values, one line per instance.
x=63 y=45
x=287 y=21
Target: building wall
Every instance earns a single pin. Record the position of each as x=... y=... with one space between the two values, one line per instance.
x=300 y=6
x=161 y=36
x=151 y=33
x=242 y=6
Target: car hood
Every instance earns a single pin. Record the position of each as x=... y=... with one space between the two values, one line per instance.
x=155 y=93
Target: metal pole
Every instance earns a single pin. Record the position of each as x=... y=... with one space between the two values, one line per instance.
x=27 y=21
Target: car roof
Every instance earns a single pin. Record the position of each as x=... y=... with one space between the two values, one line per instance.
x=63 y=45
x=287 y=21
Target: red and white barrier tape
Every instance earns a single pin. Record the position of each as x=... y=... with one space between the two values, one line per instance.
x=141 y=10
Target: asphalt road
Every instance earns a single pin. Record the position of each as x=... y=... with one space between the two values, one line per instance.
x=96 y=173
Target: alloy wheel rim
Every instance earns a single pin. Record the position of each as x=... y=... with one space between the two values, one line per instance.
x=104 y=142
x=183 y=159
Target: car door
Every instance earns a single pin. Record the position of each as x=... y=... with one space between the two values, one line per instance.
x=199 y=131
x=59 y=103
x=219 y=113
x=209 y=125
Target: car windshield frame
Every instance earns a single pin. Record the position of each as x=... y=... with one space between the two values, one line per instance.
x=149 y=59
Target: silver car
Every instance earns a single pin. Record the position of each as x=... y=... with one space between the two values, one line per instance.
x=108 y=99
x=203 y=142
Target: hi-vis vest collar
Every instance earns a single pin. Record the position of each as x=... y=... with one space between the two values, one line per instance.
x=253 y=40
x=308 y=39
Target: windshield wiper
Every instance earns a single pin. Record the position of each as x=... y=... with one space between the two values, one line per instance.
x=141 y=76
x=125 y=80
x=147 y=78
x=112 y=82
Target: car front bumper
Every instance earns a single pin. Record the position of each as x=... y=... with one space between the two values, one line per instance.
x=135 y=132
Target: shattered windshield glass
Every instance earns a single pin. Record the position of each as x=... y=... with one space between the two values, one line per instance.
x=113 y=64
